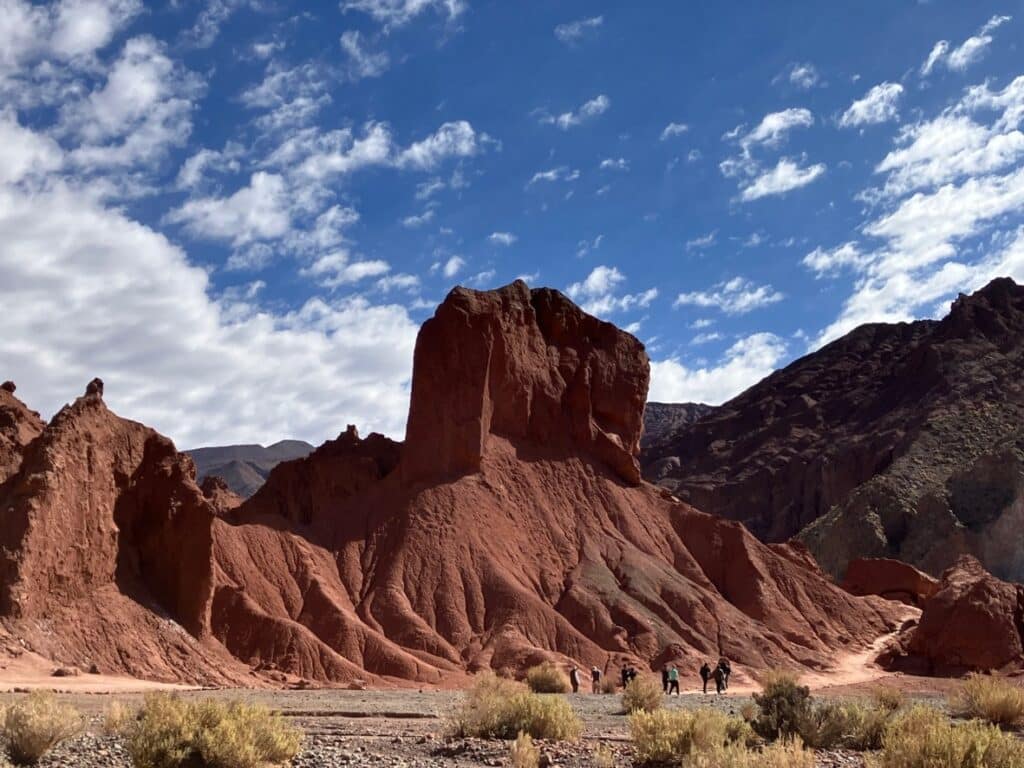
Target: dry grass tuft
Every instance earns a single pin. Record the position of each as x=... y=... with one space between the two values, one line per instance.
x=523 y=753
x=117 y=718
x=495 y=708
x=784 y=706
x=37 y=724
x=547 y=678
x=608 y=685
x=993 y=699
x=677 y=737
x=923 y=737
x=891 y=699
x=642 y=694
x=173 y=733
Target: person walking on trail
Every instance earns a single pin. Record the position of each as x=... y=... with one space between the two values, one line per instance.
x=664 y=679
x=574 y=678
x=705 y=675
x=726 y=667
x=624 y=675
x=719 y=676
x=595 y=678
x=673 y=681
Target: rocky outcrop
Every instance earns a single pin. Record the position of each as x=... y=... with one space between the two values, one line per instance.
x=891 y=579
x=509 y=528
x=899 y=441
x=973 y=622
x=19 y=426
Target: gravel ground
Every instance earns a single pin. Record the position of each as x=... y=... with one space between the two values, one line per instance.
x=394 y=729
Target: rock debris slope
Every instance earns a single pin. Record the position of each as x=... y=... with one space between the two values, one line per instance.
x=511 y=526
x=902 y=441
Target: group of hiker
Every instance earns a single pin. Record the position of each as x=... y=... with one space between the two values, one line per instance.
x=669 y=677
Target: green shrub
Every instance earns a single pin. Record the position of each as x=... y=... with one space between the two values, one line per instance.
x=642 y=693
x=547 y=678
x=523 y=753
x=678 y=736
x=35 y=725
x=923 y=737
x=173 y=733
x=994 y=699
x=784 y=706
x=501 y=709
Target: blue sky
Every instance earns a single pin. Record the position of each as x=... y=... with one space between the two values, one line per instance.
x=238 y=214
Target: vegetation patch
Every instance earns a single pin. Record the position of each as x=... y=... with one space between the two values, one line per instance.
x=37 y=724
x=642 y=694
x=993 y=699
x=547 y=678
x=495 y=708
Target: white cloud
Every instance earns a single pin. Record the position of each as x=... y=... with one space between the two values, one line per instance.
x=455 y=139
x=785 y=176
x=776 y=126
x=427 y=189
x=502 y=238
x=936 y=55
x=734 y=297
x=596 y=106
x=396 y=13
x=583 y=247
x=416 y=221
x=705 y=338
x=194 y=170
x=259 y=211
x=336 y=269
x=614 y=164
x=453 y=266
x=597 y=293
x=561 y=173
x=134 y=311
x=879 y=105
x=745 y=363
x=803 y=76
x=24 y=153
x=362 y=63
x=828 y=262
x=482 y=279
x=973 y=48
x=574 y=31
x=674 y=129
x=704 y=241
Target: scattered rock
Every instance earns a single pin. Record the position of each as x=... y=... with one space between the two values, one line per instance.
x=95 y=387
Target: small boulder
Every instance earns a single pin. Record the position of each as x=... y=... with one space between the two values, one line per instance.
x=8 y=386
x=95 y=387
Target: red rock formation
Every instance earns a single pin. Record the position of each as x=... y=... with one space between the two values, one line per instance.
x=891 y=579
x=510 y=527
x=18 y=427
x=974 y=622
x=897 y=440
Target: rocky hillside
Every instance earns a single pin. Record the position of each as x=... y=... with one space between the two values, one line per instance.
x=511 y=526
x=900 y=441
x=245 y=467
x=662 y=419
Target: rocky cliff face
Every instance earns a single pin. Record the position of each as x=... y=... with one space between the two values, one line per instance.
x=511 y=527
x=663 y=419
x=18 y=427
x=900 y=441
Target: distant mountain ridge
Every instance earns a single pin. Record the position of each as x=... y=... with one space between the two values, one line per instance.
x=897 y=440
x=245 y=467
x=661 y=419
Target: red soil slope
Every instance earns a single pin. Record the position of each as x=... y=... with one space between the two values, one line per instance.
x=511 y=526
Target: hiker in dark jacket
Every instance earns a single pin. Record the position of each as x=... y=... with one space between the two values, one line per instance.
x=664 y=679
x=719 y=676
x=574 y=678
x=624 y=675
x=726 y=667
x=705 y=675
x=595 y=679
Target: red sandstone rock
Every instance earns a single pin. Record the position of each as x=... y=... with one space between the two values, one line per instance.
x=891 y=579
x=18 y=427
x=974 y=622
x=510 y=527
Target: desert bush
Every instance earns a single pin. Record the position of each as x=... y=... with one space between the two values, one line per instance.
x=786 y=753
x=35 y=725
x=173 y=733
x=680 y=736
x=784 y=706
x=923 y=737
x=887 y=698
x=849 y=725
x=603 y=757
x=993 y=699
x=748 y=711
x=608 y=685
x=547 y=678
x=117 y=718
x=501 y=709
x=523 y=753
x=643 y=693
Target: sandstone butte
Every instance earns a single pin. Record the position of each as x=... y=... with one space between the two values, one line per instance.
x=511 y=526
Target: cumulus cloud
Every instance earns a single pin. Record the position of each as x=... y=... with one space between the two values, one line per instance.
x=967 y=53
x=823 y=262
x=397 y=13
x=453 y=266
x=418 y=220
x=803 y=76
x=674 y=129
x=258 y=211
x=574 y=31
x=787 y=175
x=502 y=238
x=745 y=363
x=879 y=105
x=361 y=62
x=614 y=164
x=590 y=109
x=776 y=126
x=734 y=297
x=561 y=173
x=598 y=293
